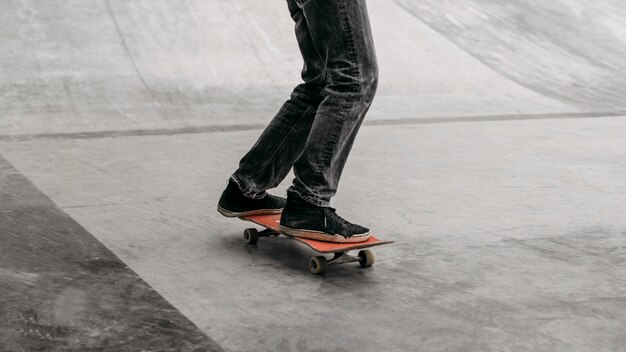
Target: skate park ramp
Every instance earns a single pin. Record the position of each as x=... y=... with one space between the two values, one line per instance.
x=493 y=155
x=90 y=66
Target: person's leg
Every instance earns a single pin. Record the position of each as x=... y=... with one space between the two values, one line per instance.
x=273 y=155
x=340 y=31
x=342 y=36
x=278 y=147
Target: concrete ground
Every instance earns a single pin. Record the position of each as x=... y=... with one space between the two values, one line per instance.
x=495 y=156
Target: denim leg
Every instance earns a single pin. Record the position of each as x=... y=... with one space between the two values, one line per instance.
x=283 y=141
x=341 y=34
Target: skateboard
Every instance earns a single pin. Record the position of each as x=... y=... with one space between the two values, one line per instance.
x=317 y=264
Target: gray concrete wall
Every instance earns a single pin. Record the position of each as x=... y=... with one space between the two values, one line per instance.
x=74 y=66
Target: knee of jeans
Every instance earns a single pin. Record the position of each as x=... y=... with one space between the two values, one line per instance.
x=369 y=81
x=354 y=84
x=366 y=85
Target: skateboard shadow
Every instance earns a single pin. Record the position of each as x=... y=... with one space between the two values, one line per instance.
x=280 y=253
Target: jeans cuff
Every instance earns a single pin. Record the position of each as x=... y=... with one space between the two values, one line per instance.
x=246 y=191
x=315 y=200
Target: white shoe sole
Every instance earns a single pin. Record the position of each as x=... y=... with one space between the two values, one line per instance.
x=322 y=236
x=230 y=214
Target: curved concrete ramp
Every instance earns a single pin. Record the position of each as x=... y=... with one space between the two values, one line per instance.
x=573 y=51
x=114 y=65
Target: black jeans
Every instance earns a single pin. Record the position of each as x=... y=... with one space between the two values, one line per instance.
x=314 y=130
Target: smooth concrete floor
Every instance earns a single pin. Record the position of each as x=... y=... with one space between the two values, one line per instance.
x=511 y=236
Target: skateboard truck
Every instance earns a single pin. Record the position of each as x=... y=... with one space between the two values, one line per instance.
x=317 y=264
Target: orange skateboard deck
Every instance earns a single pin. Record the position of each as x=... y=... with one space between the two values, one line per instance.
x=317 y=264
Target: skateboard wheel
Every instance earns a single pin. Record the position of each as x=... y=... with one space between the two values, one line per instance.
x=366 y=258
x=251 y=236
x=318 y=265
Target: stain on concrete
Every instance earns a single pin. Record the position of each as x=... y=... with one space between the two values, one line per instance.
x=62 y=290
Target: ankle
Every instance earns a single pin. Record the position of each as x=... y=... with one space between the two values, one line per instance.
x=294 y=199
x=233 y=186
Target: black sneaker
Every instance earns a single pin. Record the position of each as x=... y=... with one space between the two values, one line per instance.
x=302 y=219
x=233 y=203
